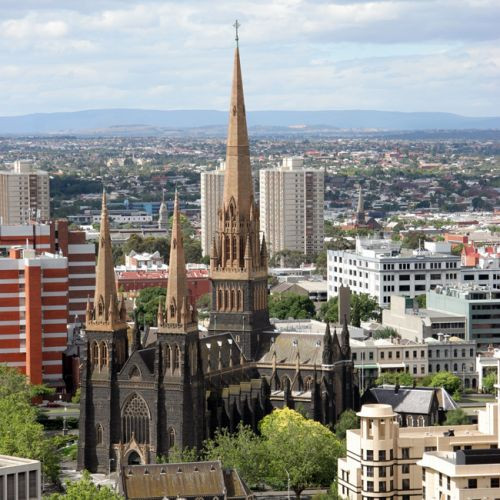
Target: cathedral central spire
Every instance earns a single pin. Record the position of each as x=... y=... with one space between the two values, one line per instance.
x=238 y=177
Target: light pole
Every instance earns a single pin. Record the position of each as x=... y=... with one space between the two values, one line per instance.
x=288 y=484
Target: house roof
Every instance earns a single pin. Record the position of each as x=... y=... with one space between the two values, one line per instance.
x=405 y=400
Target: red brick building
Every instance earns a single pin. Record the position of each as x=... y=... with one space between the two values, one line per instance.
x=131 y=281
x=33 y=314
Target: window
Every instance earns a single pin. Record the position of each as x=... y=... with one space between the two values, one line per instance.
x=381 y=472
x=98 y=434
x=369 y=471
x=381 y=486
x=381 y=455
x=405 y=453
x=369 y=455
x=472 y=483
x=406 y=484
x=382 y=355
x=369 y=485
x=495 y=482
x=405 y=469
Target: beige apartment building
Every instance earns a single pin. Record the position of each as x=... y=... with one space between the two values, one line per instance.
x=291 y=207
x=385 y=461
x=24 y=194
x=212 y=187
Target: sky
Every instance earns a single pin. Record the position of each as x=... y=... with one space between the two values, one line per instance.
x=395 y=55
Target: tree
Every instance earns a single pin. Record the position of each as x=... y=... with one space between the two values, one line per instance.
x=421 y=301
x=147 y=304
x=291 y=305
x=363 y=308
x=303 y=450
x=456 y=417
x=347 y=420
x=393 y=378
x=20 y=433
x=329 y=311
x=243 y=451
x=386 y=332
x=414 y=239
x=489 y=382
x=85 y=489
x=178 y=455
x=446 y=380
x=290 y=258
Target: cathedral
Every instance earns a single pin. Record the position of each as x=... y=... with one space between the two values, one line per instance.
x=138 y=401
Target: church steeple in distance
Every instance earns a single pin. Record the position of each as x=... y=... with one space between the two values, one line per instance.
x=180 y=314
x=106 y=311
x=238 y=264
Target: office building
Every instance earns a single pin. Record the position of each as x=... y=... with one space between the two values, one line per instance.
x=291 y=207
x=24 y=194
x=381 y=268
x=212 y=188
x=34 y=314
x=479 y=305
x=56 y=237
x=417 y=324
x=20 y=478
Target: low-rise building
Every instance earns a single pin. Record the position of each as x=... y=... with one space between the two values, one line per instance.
x=20 y=478
x=143 y=260
x=417 y=324
x=479 y=305
x=316 y=290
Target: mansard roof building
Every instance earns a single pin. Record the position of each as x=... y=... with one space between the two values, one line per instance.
x=137 y=402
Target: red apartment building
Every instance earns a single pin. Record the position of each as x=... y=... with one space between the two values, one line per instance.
x=55 y=237
x=34 y=314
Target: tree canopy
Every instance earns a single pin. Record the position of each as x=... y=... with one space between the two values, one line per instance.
x=291 y=305
x=347 y=420
x=363 y=308
x=302 y=449
x=450 y=382
x=147 y=304
x=489 y=382
x=456 y=417
x=386 y=332
x=393 y=378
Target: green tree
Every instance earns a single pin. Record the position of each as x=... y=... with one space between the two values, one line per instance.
x=386 y=332
x=243 y=451
x=20 y=433
x=303 y=450
x=414 y=239
x=393 y=378
x=347 y=420
x=329 y=311
x=421 y=301
x=489 y=382
x=290 y=258
x=76 y=397
x=85 y=489
x=177 y=455
x=363 y=308
x=291 y=305
x=147 y=304
x=456 y=417
x=447 y=380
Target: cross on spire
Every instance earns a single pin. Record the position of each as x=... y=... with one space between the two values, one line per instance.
x=236 y=26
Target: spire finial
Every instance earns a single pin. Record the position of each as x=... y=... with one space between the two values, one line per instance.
x=236 y=26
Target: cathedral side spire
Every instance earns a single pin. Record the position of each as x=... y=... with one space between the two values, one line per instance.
x=177 y=304
x=238 y=177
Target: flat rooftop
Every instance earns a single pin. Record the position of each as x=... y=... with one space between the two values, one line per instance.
x=8 y=461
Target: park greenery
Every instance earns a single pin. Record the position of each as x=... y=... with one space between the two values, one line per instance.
x=347 y=420
x=456 y=417
x=395 y=378
x=147 y=303
x=386 y=332
x=291 y=305
x=489 y=382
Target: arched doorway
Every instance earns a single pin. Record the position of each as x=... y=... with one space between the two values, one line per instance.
x=134 y=458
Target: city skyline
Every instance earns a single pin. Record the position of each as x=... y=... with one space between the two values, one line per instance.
x=298 y=54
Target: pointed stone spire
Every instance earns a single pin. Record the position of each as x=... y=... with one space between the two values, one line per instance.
x=159 y=315
x=360 y=211
x=177 y=307
x=263 y=251
x=336 y=349
x=238 y=177
x=248 y=249
x=346 y=349
x=327 y=346
x=136 y=334
x=106 y=297
x=163 y=213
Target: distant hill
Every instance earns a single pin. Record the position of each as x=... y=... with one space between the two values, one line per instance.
x=104 y=119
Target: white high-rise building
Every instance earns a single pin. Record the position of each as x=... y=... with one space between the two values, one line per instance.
x=291 y=207
x=381 y=268
x=212 y=188
x=24 y=194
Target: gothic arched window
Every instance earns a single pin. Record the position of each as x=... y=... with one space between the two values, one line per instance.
x=239 y=301
x=170 y=438
x=98 y=434
x=226 y=300
x=104 y=354
x=168 y=357
x=177 y=357
x=135 y=420
x=233 y=300
x=94 y=353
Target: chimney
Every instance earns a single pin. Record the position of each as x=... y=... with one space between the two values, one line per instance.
x=396 y=388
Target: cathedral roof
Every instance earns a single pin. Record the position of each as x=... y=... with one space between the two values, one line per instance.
x=203 y=479
x=287 y=345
